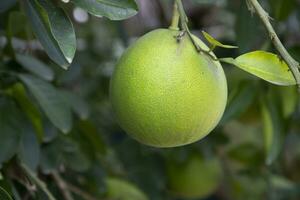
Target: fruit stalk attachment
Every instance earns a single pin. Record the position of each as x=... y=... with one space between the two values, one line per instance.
x=186 y=30
x=293 y=65
x=175 y=18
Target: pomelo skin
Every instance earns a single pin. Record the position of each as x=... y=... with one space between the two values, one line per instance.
x=166 y=94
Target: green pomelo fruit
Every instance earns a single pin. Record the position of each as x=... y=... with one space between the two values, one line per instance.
x=164 y=93
x=123 y=190
x=197 y=178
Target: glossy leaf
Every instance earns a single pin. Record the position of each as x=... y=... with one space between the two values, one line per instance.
x=246 y=153
x=272 y=128
x=215 y=43
x=295 y=51
x=70 y=154
x=265 y=65
x=12 y=31
x=93 y=136
x=247 y=28
x=29 y=150
x=4 y=195
x=53 y=29
x=112 y=9
x=10 y=129
x=30 y=110
x=50 y=101
x=211 y=2
x=78 y=105
x=16 y=17
x=240 y=98
x=289 y=97
x=77 y=161
x=50 y=160
x=35 y=66
x=281 y=9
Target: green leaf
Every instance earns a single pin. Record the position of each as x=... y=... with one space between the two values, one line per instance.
x=73 y=156
x=15 y=192
x=53 y=29
x=10 y=129
x=246 y=153
x=280 y=182
x=281 y=9
x=272 y=127
x=50 y=159
x=77 y=161
x=112 y=9
x=295 y=51
x=289 y=98
x=211 y=2
x=50 y=131
x=78 y=105
x=240 y=98
x=70 y=154
x=4 y=195
x=265 y=65
x=16 y=17
x=216 y=43
x=89 y=131
x=50 y=101
x=29 y=150
x=35 y=66
x=247 y=28
x=19 y=93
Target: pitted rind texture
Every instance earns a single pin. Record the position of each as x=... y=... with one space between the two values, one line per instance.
x=164 y=93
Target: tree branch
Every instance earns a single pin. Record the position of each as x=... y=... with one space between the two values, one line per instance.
x=185 y=28
x=175 y=18
x=62 y=186
x=265 y=18
x=79 y=192
x=37 y=181
x=66 y=189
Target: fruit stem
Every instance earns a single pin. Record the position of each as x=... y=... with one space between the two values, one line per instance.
x=294 y=66
x=175 y=18
x=185 y=28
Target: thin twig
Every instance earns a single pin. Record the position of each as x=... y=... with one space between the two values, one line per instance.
x=66 y=188
x=62 y=186
x=79 y=192
x=265 y=18
x=175 y=18
x=37 y=181
x=185 y=28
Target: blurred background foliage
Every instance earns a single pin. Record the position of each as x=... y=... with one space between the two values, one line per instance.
x=59 y=138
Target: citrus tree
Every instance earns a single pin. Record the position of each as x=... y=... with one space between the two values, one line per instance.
x=137 y=100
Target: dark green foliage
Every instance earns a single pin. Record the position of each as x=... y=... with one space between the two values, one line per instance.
x=57 y=126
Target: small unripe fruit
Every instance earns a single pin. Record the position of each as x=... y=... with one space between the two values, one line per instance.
x=165 y=93
x=123 y=190
x=196 y=178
